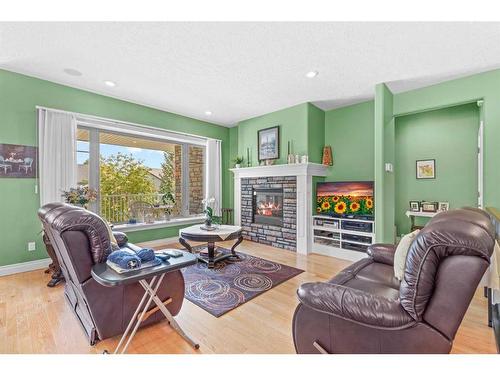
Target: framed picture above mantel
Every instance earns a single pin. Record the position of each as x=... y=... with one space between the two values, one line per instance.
x=268 y=143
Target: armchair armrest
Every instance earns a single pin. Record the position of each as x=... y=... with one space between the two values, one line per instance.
x=121 y=238
x=354 y=305
x=382 y=253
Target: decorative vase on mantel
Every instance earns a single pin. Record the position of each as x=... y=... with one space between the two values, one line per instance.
x=327 y=158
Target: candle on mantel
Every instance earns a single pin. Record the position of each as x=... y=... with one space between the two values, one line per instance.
x=288 y=153
x=248 y=157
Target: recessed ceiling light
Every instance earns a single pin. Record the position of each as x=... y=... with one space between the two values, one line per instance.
x=208 y=113
x=72 y=72
x=110 y=83
x=312 y=74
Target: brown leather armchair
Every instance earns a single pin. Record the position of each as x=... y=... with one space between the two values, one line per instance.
x=81 y=239
x=365 y=309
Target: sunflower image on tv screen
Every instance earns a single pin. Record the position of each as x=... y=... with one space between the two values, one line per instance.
x=353 y=198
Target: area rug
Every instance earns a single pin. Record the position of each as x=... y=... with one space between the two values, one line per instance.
x=232 y=282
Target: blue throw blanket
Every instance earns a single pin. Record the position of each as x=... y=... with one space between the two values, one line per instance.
x=129 y=259
x=126 y=259
x=146 y=255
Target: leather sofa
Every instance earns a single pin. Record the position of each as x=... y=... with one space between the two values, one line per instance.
x=365 y=309
x=82 y=239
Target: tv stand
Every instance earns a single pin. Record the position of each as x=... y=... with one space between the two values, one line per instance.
x=344 y=238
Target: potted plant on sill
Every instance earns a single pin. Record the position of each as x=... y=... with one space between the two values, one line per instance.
x=238 y=160
x=80 y=196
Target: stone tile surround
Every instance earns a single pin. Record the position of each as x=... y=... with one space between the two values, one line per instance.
x=284 y=237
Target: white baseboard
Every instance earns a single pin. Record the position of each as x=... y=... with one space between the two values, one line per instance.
x=24 y=267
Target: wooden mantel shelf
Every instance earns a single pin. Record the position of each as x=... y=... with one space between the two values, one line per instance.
x=299 y=169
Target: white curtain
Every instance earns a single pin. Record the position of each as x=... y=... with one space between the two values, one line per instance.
x=213 y=174
x=56 y=154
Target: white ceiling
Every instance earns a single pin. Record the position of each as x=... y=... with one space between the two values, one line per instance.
x=243 y=70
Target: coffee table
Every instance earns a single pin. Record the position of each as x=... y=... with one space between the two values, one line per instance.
x=222 y=233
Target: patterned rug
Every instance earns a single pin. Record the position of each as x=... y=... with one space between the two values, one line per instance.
x=232 y=282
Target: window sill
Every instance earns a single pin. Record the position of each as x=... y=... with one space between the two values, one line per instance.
x=158 y=224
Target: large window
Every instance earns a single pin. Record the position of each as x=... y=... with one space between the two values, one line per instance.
x=141 y=179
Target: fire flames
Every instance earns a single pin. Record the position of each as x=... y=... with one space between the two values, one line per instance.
x=267 y=208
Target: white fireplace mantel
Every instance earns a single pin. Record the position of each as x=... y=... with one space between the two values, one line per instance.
x=304 y=174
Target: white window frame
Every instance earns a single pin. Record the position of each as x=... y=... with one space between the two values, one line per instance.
x=94 y=179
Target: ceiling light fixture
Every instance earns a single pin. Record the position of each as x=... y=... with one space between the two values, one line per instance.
x=208 y=113
x=312 y=74
x=72 y=72
x=110 y=83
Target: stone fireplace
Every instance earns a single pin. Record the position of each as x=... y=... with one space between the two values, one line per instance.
x=268 y=206
x=273 y=204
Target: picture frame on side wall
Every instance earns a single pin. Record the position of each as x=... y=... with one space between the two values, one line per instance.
x=426 y=169
x=268 y=143
x=18 y=161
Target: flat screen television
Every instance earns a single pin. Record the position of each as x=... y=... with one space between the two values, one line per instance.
x=345 y=199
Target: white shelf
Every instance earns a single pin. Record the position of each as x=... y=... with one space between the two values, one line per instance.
x=341 y=219
x=327 y=238
x=356 y=243
x=335 y=249
x=341 y=240
x=346 y=231
x=337 y=252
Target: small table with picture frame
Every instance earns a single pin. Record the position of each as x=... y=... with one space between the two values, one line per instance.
x=424 y=209
x=413 y=214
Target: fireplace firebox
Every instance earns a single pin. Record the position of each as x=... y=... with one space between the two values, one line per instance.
x=268 y=206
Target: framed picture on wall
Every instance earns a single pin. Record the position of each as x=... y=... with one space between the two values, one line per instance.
x=426 y=169
x=18 y=161
x=269 y=143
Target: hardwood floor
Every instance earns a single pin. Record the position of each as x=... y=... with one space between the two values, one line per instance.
x=37 y=319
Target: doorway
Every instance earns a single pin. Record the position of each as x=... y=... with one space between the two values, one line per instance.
x=449 y=136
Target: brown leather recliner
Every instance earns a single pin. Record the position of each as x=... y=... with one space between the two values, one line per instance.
x=364 y=309
x=81 y=239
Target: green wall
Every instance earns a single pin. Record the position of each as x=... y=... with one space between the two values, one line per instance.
x=465 y=90
x=19 y=94
x=315 y=133
x=450 y=137
x=293 y=127
x=303 y=125
x=349 y=131
x=384 y=153
x=233 y=152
